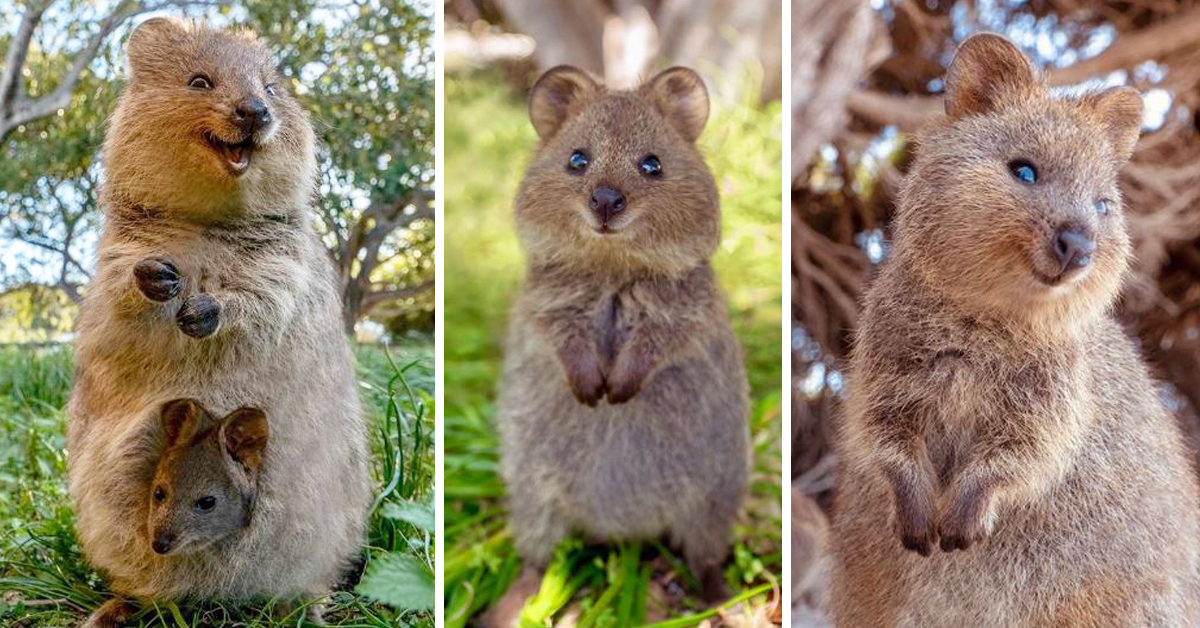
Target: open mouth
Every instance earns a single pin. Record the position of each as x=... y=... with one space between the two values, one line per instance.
x=235 y=155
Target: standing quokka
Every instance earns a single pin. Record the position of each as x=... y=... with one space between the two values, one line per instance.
x=1005 y=460
x=212 y=285
x=622 y=410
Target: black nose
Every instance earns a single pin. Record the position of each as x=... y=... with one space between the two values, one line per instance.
x=252 y=114
x=606 y=203
x=1073 y=247
x=162 y=543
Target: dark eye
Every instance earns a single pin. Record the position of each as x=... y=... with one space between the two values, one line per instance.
x=1102 y=206
x=206 y=503
x=578 y=162
x=159 y=494
x=270 y=89
x=200 y=82
x=1024 y=171
x=651 y=166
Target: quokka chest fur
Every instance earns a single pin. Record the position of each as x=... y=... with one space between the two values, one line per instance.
x=1004 y=459
x=622 y=409
x=212 y=286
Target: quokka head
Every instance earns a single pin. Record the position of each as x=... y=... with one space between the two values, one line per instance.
x=205 y=484
x=617 y=182
x=207 y=126
x=1012 y=203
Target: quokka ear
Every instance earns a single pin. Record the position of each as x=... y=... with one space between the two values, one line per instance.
x=681 y=97
x=556 y=96
x=244 y=435
x=181 y=420
x=1120 y=113
x=151 y=39
x=985 y=67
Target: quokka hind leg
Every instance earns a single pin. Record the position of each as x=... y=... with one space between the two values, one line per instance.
x=506 y=612
x=704 y=540
x=111 y=614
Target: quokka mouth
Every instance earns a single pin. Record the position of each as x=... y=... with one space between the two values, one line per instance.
x=235 y=155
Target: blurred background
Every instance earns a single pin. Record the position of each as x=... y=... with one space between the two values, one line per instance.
x=865 y=75
x=494 y=52
x=364 y=69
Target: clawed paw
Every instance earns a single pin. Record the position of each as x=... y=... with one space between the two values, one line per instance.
x=157 y=279
x=967 y=518
x=585 y=378
x=200 y=316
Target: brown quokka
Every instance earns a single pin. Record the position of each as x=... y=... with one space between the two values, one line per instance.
x=622 y=410
x=212 y=285
x=1005 y=460
x=206 y=481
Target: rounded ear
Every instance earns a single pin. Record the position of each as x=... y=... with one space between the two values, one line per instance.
x=244 y=435
x=181 y=419
x=1120 y=113
x=985 y=66
x=680 y=95
x=152 y=39
x=557 y=95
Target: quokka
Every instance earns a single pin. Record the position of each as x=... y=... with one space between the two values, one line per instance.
x=211 y=285
x=622 y=410
x=1004 y=459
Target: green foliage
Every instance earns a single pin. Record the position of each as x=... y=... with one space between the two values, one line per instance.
x=488 y=141
x=46 y=583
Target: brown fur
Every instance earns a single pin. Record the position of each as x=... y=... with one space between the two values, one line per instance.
x=1002 y=424
x=622 y=410
x=213 y=286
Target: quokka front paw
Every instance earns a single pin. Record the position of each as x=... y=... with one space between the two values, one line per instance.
x=199 y=316
x=157 y=279
x=968 y=518
x=914 y=515
x=585 y=377
x=629 y=373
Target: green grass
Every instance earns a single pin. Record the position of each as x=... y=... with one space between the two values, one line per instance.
x=45 y=582
x=488 y=141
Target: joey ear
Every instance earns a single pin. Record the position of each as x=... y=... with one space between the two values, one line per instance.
x=985 y=66
x=181 y=419
x=680 y=95
x=244 y=435
x=1120 y=111
x=148 y=40
x=557 y=95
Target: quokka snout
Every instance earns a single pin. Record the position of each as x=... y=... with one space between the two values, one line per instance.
x=206 y=481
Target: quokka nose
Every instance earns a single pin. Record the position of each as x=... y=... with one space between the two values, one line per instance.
x=606 y=202
x=1073 y=247
x=162 y=543
x=252 y=114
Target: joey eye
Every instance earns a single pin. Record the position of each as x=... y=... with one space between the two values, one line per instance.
x=206 y=503
x=270 y=88
x=1023 y=170
x=651 y=166
x=578 y=162
x=159 y=494
x=200 y=82
x=1102 y=206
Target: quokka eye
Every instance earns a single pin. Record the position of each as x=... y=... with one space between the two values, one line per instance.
x=206 y=503
x=200 y=82
x=159 y=494
x=1023 y=170
x=577 y=162
x=270 y=89
x=1102 y=206
x=651 y=166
